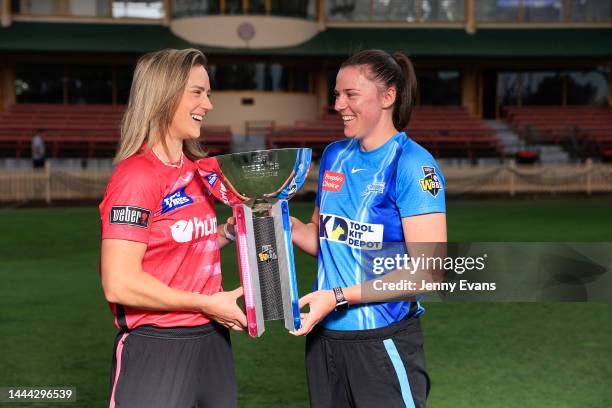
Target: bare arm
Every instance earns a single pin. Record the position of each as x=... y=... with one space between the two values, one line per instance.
x=306 y=236
x=417 y=229
x=124 y=282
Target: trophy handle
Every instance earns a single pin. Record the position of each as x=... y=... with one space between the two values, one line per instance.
x=249 y=275
x=286 y=264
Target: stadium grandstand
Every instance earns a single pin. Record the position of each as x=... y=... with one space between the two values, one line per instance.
x=501 y=82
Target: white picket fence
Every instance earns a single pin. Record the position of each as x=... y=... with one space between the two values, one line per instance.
x=50 y=184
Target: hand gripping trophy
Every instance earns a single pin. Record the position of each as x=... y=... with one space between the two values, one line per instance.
x=257 y=185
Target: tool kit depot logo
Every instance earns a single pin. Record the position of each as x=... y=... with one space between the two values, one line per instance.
x=352 y=233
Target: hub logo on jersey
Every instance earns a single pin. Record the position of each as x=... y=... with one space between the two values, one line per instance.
x=192 y=229
x=175 y=200
x=431 y=181
x=129 y=215
x=352 y=233
x=332 y=181
x=212 y=179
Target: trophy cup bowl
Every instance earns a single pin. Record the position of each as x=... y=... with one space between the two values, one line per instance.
x=257 y=185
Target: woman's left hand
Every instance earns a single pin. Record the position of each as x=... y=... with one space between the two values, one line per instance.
x=231 y=225
x=321 y=303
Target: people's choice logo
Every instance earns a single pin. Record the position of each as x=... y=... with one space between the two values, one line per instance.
x=332 y=181
x=192 y=229
x=352 y=233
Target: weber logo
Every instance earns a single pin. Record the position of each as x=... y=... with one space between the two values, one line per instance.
x=128 y=215
x=332 y=181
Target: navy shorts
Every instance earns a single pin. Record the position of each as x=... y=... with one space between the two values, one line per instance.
x=173 y=367
x=382 y=367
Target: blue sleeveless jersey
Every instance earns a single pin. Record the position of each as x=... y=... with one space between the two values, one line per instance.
x=362 y=197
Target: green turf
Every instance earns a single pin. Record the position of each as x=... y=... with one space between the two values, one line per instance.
x=56 y=328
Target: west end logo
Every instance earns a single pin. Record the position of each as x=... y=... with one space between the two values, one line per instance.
x=431 y=181
x=174 y=200
x=352 y=233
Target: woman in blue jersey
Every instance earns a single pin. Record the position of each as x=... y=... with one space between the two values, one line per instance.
x=376 y=187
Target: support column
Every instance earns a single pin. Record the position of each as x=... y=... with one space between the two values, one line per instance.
x=6 y=13
x=321 y=14
x=321 y=89
x=470 y=21
x=168 y=11
x=610 y=84
x=471 y=90
x=7 y=87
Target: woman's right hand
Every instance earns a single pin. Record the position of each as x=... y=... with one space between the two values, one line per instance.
x=222 y=308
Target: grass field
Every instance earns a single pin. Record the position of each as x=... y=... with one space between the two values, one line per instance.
x=56 y=328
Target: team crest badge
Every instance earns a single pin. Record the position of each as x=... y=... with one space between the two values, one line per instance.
x=431 y=182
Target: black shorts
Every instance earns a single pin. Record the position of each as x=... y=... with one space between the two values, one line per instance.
x=173 y=367
x=382 y=367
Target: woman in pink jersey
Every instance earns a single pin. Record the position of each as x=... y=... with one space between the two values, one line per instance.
x=160 y=264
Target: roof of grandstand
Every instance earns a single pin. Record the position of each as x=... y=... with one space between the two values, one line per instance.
x=138 y=38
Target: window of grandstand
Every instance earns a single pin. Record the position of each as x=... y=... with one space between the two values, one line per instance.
x=590 y=10
x=40 y=84
x=90 y=85
x=496 y=10
x=542 y=88
x=439 y=87
x=72 y=84
x=289 y=8
x=588 y=87
x=435 y=87
x=138 y=9
x=543 y=10
x=90 y=8
x=508 y=86
x=395 y=10
x=259 y=77
x=123 y=81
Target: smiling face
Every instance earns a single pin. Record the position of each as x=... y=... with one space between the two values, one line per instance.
x=194 y=105
x=363 y=107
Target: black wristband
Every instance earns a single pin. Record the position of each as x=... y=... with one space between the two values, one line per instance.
x=341 y=302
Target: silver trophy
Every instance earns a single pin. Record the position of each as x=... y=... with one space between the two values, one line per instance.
x=257 y=185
